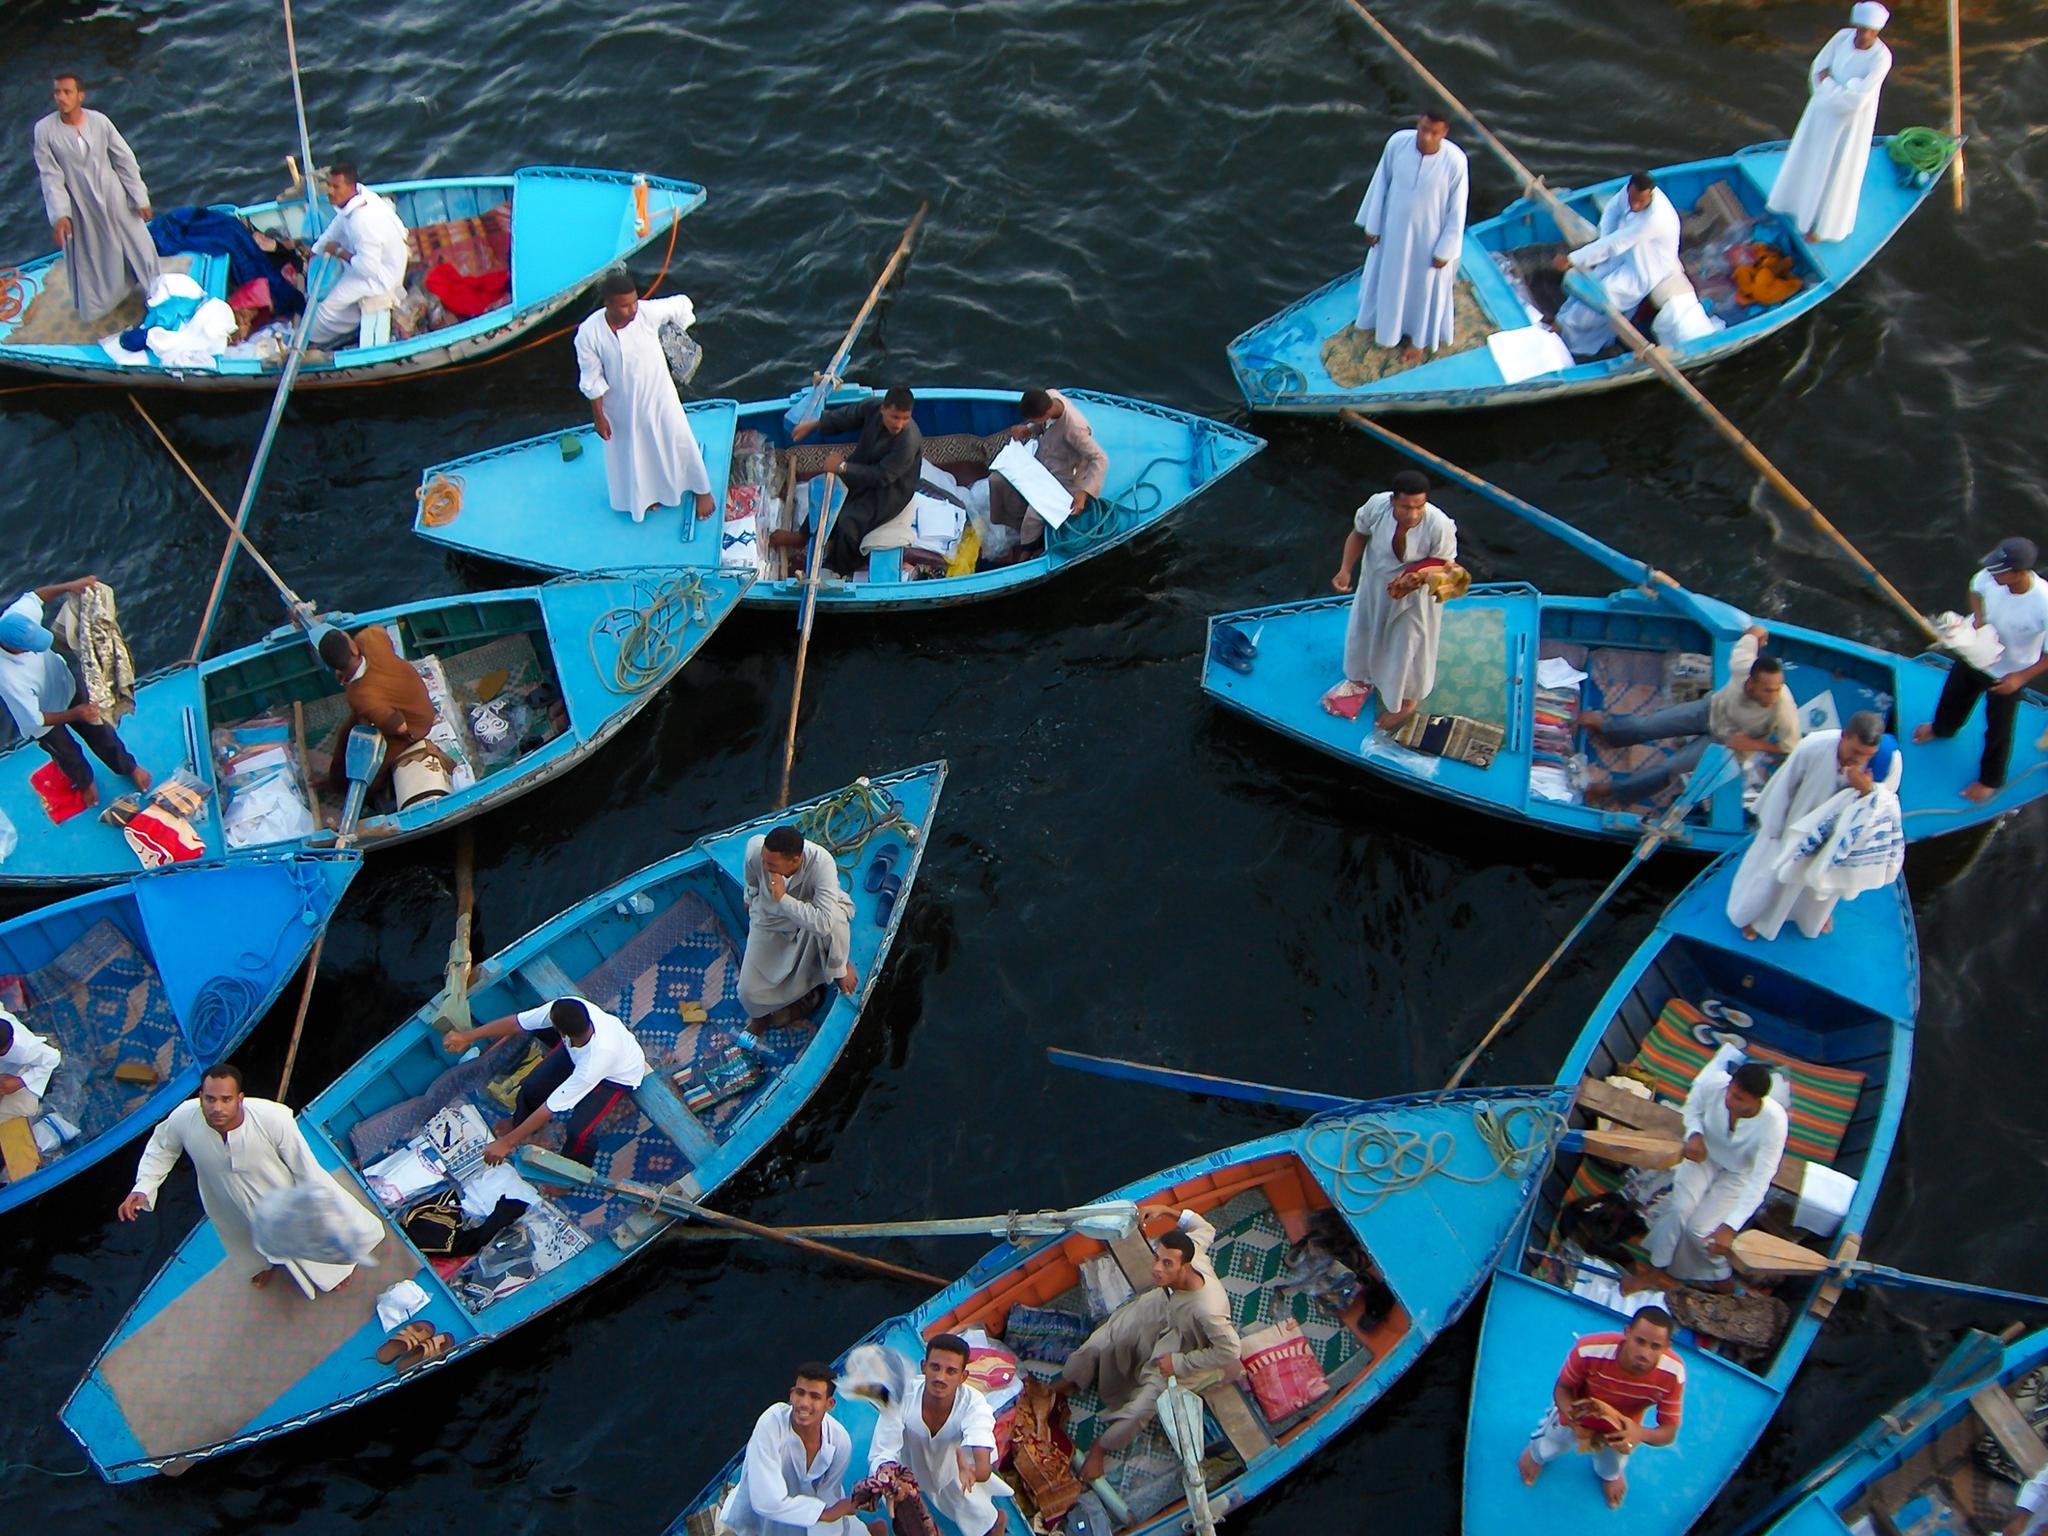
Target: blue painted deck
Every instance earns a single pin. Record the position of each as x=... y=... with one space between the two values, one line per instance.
x=575 y=638
x=568 y=225
x=594 y=944
x=522 y=504
x=1278 y=363
x=1435 y=1241
x=1925 y=1417
x=1847 y=999
x=136 y=973
x=1300 y=656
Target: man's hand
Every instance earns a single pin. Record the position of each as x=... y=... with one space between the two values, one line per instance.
x=1823 y=75
x=1371 y=240
x=1441 y=262
x=142 y=213
x=87 y=713
x=133 y=1206
x=1758 y=632
x=1165 y=1364
x=776 y=885
x=456 y=1041
x=499 y=1150
x=1625 y=1438
x=9 y=1083
x=81 y=584
x=833 y=460
x=1859 y=779
x=2009 y=684
x=834 y=1512
x=342 y=254
x=62 y=230
x=1342 y=580
x=602 y=422
x=1020 y=432
x=1695 y=1148
x=849 y=980
x=1560 y=263
x=803 y=429
x=1720 y=1240
x=1080 y=501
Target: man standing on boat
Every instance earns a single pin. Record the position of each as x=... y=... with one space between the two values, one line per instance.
x=97 y=204
x=1734 y=1136
x=1821 y=180
x=1396 y=626
x=1182 y=1326
x=944 y=1434
x=39 y=690
x=795 y=1473
x=799 y=927
x=1637 y=249
x=651 y=457
x=1066 y=449
x=369 y=239
x=595 y=1062
x=2006 y=596
x=1608 y=1386
x=1414 y=222
x=880 y=470
x=243 y=1149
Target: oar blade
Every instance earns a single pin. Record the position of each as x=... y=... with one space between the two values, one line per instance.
x=1761 y=1253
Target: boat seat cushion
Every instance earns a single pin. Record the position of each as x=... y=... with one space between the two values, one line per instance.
x=473 y=246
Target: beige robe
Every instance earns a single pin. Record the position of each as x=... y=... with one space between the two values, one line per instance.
x=798 y=941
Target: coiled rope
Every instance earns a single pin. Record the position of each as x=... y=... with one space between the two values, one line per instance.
x=1372 y=1161
x=1276 y=379
x=649 y=635
x=1101 y=516
x=440 y=500
x=1921 y=150
x=11 y=301
x=226 y=1005
x=844 y=824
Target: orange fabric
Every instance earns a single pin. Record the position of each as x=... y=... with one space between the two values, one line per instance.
x=388 y=683
x=1766 y=277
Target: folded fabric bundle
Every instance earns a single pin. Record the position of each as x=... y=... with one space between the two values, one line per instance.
x=1044 y=1333
x=60 y=801
x=465 y=297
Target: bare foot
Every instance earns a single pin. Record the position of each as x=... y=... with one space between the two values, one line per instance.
x=786 y=538
x=1393 y=722
x=1411 y=355
x=89 y=796
x=1828 y=926
x=1922 y=733
x=1749 y=930
x=1616 y=1491
x=705 y=505
x=1530 y=1468
x=264 y=1278
x=1975 y=792
x=849 y=980
x=143 y=778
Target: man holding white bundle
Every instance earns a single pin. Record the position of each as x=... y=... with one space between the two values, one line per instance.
x=1734 y=1136
x=1637 y=249
x=2009 y=599
x=369 y=239
x=651 y=457
x=1821 y=180
x=1414 y=222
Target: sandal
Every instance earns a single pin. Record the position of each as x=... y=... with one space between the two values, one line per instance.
x=883 y=866
x=1232 y=647
x=435 y=1348
x=411 y=1337
x=886 y=890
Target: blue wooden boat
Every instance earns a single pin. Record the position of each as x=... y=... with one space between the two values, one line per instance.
x=168 y=971
x=525 y=504
x=1921 y=1458
x=581 y=656
x=553 y=228
x=661 y=948
x=1834 y=1013
x=1280 y=365
x=1434 y=1241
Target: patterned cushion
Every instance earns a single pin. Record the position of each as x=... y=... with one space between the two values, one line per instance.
x=1284 y=1375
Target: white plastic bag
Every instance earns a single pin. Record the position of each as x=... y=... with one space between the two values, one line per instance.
x=9 y=838
x=313 y=1224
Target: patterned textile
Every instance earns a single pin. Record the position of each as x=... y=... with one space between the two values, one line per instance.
x=472 y=246
x=1354 y=358
x=101 y=1004
x=1471 y=665
x=1453 y=736
x=1285 y=1377
x=1249 y=1253
x=1042 y=1333
x=89 y=627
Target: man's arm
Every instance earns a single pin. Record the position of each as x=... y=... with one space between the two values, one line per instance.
x=900 y=460
x=1347 y=567
x=456 y=1041
x=128 y=171
x=165 y=1147
x=887 y=1444
x=504 y=1146
x=63 y=589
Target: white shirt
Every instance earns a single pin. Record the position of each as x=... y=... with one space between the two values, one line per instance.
x=934 y=1460
x=1748 y=1152
x=611 y=1055
x=29 y=1057
x=37 y=682
x=2021 y=619
x=2033 y=1498
x=781 y=1489
x=369 y=228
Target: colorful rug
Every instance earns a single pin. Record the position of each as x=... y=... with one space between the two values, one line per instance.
x=1354 y=358
x=1145 y=1473
x=1628 y=682
x=101 y=1004
x=1471 y=665
x=1251 y=1250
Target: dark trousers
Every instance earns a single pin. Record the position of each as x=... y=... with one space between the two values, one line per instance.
x=544 y=1079
x=1959 y=695
x=858 y=518
x=106 y=745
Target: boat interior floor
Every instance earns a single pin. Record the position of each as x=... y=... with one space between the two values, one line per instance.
x=1960 y=1481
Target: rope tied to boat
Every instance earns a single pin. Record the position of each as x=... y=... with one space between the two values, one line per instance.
x=220 y=1010
x=11 y=301
x=1373 y=1161
x=440 y=500
x=845 y=823
x=1101 y=516
x=649 y=634
x=1923 y=152
x=1275 y=379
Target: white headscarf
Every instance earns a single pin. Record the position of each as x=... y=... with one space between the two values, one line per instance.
x=1868 y=13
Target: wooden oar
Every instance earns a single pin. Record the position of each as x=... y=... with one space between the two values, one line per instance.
x=1759 y=1253
x=813 y=404
x=552 y=1167
x=1707 y=775
x=803 y=636
x=1106 y=1221
x=1631 y=1149
x=1569 y=222
x=1955 y=91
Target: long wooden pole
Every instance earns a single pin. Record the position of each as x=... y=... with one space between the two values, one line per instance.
x=291 y=1053
x=1660 y=362
x=1955 y=90
x=845 y=349
x=291 y=50
x=803 y=638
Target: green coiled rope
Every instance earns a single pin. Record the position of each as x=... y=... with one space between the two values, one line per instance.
x=1921 y=150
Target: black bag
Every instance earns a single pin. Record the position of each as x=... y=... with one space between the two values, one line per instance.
x=432 y=1224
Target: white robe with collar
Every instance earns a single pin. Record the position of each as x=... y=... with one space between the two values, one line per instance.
x=782 y=1491
x=1821 y=181
x=370 y=230
x=1389 y=642
x=1635 y=252
x=652 y=459
x=935 y=1460
x=1415 y=207
x=1760 y=896
x=1726 y=1188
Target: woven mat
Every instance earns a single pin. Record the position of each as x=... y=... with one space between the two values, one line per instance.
x=953 y=448
x=1353 y=358
x=52 y=322
x=1471 y=665
x=101 y=1004
x=1145 y=1473
x=226 y=1350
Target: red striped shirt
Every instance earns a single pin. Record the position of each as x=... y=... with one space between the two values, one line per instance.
x=1592 y=1370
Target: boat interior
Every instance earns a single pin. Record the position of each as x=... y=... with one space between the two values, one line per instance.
x=1697 y=1004
x=1964 y=1477
x=277 y=716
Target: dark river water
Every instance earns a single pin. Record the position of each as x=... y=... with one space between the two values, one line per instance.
x=1117 y=189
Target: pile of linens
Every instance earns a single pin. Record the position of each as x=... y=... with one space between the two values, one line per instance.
x=1551 y=739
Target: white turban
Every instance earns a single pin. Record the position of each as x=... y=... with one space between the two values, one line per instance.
x=1868 y=13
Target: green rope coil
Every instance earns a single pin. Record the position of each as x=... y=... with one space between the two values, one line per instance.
x=650 y=635
x=1373 y=1162
x=1101 y=516
x=1921 y=150
x=845 y=823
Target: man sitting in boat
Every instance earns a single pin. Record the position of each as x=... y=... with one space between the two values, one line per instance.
x=651 y=457
x=1396 y=626
x=27 y=1062
x=1608 y=1386
x=795 y=1477
x=383 y=690
x=880 y=471
x=1735 y=1135
x=1749 y=713
x=369 y=239
x=1637 y=249
x=799 y=928
x=944 y=1434
x=1181 y=1327
x=1066 y=447
x=595 y=1063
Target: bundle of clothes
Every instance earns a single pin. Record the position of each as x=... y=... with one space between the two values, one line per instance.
x=1738 y=263
x=266 y=796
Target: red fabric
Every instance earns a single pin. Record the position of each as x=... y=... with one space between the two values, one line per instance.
x=990 y=1369
x=159 y=838
x=1590 y=1370
x=466 y=297
x=1285 y=1377
x=61 y=800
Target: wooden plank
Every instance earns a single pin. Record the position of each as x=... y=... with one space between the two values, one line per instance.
x=18 y=1147
x=1635 y=1149
x=1134 y=1258
x=1824 y=1300
x=1241 y=1426
x=2009 y=1427
x=547 y=979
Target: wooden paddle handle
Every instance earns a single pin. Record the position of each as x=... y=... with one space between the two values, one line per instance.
x=1634 y=1149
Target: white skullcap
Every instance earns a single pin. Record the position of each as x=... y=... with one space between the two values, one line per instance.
x=1868 y=13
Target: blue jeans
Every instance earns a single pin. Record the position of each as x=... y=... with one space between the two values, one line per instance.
x=1686 y=720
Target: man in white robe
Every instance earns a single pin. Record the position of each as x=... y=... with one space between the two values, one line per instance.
x=794 y=1479
x=1414 y=222
x=1821 y=180
x=1822 y=766
x=651 y=457
x=243 y=1149
x=27 y=1062
x=1734 y=1136
x=95 y=200
x=799 y=925
x=1637 y=249
x=1180 y=1327
x=369 y=239
x=944 y=1433
x=1396 y=624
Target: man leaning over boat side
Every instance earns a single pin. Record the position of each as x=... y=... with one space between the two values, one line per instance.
x=594 y=1063
x=41 y=692
x=799 y=929
x=97 y=203
x=383 y=690
x=794 y=1476
x=651 y=456
x=1608 y=1386
x=1636 y=250
x=369 y=239
x=2008 y=597
x=1066 y=449
x=1413 y=216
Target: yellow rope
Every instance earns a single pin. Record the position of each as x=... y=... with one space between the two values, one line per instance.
x=1373 y=1162
x=440 y=500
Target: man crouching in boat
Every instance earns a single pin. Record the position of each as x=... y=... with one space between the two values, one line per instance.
x=795 y=1477
x=1609 y=1383
x=595 y=1063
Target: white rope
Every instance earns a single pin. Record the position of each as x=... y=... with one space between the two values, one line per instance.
x=1373 y=1161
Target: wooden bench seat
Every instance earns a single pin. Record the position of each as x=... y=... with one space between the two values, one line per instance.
x=1641 y=1114
x=2009 y=1427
